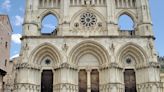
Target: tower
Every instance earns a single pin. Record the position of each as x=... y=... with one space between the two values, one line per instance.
x=5 y=39
x=87 y=52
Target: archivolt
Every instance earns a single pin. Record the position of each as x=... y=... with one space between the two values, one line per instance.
x=89 y=47
x=43 y=51
x=133 y=50
x=47 y=12
x=129 y=13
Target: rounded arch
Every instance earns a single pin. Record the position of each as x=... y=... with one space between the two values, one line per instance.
x=45 y=50
x=133 y=50
x=48 y=12
x=89 y=47
x=128 y=13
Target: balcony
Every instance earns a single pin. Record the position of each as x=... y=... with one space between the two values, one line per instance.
x=127 y=33
x=85 y=2
x=49 y=3
x=125 y=3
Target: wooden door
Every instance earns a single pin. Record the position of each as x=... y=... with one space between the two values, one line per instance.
x=82 y=81
x=94 y=81
x=47 y=81
x=130 y=81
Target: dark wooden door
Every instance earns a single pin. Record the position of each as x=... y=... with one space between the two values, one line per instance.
x=82 y=81
x=130 y=81
x=94 y=81
x=47 y=81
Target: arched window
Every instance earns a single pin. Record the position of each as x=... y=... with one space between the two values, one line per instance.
x=49 y=24
x=126 y=23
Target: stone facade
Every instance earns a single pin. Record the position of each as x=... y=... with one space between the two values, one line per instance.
x=5 y=39
x=88 y=53
x=161 y=61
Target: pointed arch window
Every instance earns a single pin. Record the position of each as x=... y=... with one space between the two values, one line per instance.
x=49 y=25
x=126 y=22
x=126 y=25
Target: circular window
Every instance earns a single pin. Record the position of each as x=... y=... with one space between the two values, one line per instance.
x=88 y=19
x=128 y=61
x=47 y=61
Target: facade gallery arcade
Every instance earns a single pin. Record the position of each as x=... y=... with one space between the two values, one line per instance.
x=87 y=52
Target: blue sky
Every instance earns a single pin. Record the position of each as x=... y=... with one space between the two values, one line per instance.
x=15 y=10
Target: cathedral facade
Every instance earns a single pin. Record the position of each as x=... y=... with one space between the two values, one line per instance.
x=87 y=52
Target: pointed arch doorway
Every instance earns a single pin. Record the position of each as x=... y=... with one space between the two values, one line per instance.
x=130 y=80
x=47 y=81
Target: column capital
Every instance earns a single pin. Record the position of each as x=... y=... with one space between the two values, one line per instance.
x=88 y=69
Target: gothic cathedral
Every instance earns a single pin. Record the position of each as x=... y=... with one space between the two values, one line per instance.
x=87 y=52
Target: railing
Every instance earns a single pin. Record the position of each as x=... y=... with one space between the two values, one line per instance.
x=127 y=32
x=125 y=3
x=49 y=3
x=85 y=2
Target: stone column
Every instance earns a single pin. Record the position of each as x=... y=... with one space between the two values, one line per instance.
x=88 y=80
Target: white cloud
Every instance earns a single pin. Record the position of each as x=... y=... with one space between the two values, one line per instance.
x=6 y=5
x=49 y=26
x=16 y=38
x=15 y=56
x=18 y=20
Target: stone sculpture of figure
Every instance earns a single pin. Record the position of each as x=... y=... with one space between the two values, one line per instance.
x=150 y=46
x=65 y=47
x=88 y=2
x=112 y=48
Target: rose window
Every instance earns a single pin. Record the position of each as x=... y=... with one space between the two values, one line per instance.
x=88 y=19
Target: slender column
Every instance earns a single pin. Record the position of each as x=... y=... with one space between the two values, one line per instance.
x=101 y=2
x=77 y=2
x=122 y=3
x=88 y=80
x=131 y=3
x=52 y=3
x=47 y=3
x=43 y=1
x=82 y=2
x=57 y=4
x=127 y=3
x=118 y=3
x=73 y=2
x=98 y=2
x=93 y=2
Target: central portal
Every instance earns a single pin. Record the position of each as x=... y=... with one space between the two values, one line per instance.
x=47 y=81
x=130 y=80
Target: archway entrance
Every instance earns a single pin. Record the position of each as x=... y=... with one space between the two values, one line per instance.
x=82 y=81
x=94 y=80
x=47 y=81
x=130 y=80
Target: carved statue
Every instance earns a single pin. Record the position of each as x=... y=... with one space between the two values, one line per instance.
x=88 y=2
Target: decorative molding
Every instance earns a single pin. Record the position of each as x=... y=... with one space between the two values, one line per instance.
x=111 y=65
x=27 y=66
x=68 y=86
x=27 y=86
x=148 y=65
x=67 y=66
x=111 y=86
x=149 y=84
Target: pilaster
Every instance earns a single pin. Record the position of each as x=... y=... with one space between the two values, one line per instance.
x=114 y=82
